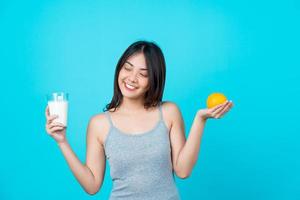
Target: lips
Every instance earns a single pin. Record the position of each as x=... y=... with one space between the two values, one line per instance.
x=129 y=87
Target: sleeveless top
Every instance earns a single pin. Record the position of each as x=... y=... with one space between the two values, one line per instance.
x=140 y=164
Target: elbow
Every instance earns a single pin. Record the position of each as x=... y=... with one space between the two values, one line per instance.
x=92 y=191
x=182 y=172
x=183 y=175
x=94 y=188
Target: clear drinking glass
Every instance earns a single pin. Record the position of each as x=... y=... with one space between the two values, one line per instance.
x=58 y=105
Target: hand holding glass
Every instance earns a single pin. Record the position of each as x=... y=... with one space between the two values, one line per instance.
x=58 y=105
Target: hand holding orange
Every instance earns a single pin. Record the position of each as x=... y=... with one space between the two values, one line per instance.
x=217 y=107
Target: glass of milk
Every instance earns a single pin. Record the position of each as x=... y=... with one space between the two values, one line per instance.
x=58 y=105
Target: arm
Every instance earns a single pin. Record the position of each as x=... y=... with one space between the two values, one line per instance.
x=89 y=175
x=185 y=152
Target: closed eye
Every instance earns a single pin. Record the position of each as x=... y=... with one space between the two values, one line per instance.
x=127 y=68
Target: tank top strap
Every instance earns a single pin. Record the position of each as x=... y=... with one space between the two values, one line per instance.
x=108 y=118
x=160 y=111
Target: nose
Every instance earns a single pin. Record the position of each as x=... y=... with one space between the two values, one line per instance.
x=132 y=77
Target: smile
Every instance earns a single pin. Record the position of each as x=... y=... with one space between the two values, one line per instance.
x=129 y=87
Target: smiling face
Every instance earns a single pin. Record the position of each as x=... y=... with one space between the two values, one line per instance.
x=133 y=77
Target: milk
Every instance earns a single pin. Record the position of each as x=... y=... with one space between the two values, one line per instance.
x=59 y=108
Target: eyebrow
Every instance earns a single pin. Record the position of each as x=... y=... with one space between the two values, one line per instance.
x=133 y=65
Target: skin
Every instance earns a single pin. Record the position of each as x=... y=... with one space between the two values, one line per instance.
x=184 y=151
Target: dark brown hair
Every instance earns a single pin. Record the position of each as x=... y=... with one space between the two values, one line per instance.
x=155 y=62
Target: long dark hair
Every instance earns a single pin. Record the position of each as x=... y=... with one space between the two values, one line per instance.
x=156 y=65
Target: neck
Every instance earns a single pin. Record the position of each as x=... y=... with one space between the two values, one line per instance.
x=132 y=105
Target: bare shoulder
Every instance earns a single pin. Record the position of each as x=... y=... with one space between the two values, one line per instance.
x=170 y=110
x=100 y=126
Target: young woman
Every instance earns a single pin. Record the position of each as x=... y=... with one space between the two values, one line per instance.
x=142 y=137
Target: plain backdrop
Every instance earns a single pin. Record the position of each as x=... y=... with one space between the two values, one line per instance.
x=248 y=50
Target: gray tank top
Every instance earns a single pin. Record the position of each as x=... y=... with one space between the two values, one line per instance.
x=140 y=164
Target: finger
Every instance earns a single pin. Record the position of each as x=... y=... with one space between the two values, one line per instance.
x=54 y=124
x=219 y=112
x=229 y=107
x=47 y=112
x=224 y=110
x=216 y=107
x=219 y=108
x=51 y=118
x=52 y=130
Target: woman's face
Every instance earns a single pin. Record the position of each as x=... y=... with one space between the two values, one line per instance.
x=133 y=77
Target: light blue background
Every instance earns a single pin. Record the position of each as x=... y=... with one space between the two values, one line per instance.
x=249 y=50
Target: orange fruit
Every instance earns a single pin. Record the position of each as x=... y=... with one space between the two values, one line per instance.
x=215 y=99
